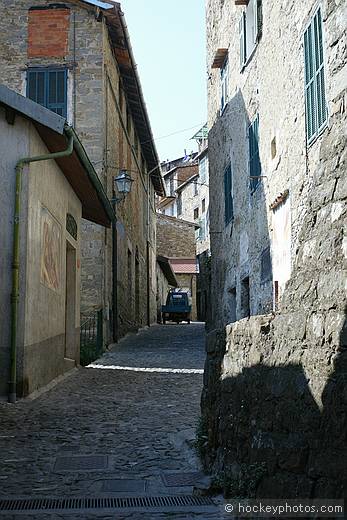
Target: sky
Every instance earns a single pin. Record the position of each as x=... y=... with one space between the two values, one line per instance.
x=168 y=41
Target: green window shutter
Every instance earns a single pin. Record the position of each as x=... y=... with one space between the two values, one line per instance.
x=36 y=86
x=315 y=100
x=242 y=37
x=57 y=91
x=48 y=87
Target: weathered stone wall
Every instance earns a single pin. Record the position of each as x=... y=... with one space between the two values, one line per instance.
x=275 y=385
x=93 y=95
x=175 y=237
x=240 y=249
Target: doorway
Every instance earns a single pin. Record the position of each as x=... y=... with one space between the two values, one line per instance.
x=70 y=303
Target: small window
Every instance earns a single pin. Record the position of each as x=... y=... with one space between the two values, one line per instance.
x=254 y=157
x=203 y=206
x=48 y=87
x=228 y=195
x=196 y=213
x=315 y=100
x=224 y=78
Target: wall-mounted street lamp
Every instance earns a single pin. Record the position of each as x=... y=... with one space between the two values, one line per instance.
x=122 y=184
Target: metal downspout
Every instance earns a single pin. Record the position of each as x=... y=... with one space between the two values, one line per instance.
x=12 y=394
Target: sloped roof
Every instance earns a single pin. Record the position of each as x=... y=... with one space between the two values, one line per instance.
x=120 y=41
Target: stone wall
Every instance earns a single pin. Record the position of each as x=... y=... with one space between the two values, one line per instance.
x=175 y=237
x=259 y=243
x=275 y=385
x=93 y=96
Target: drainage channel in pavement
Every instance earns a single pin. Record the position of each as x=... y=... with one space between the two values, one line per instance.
x=144 y=504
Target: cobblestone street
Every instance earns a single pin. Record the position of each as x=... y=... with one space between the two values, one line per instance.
x=136 y=422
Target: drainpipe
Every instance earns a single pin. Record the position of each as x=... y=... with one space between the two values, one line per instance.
x=12 y=394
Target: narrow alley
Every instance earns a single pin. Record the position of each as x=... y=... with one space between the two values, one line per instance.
x=134 y=426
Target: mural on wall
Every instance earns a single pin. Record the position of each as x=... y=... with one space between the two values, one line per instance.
x=50 y=250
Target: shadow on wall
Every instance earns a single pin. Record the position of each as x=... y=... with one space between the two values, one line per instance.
x=240 y=239
x=270 y=438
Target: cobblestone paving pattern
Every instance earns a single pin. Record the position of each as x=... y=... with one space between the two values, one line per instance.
x=139 y=420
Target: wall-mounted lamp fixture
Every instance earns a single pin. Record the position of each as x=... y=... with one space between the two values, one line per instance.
x=122 y=184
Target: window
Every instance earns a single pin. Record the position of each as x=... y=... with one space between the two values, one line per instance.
x=224 y=73
x=179 y=204
x=254 y=158
x=48 y=87
x=228 y=195
x=316 y=106
x=196 y=213
x=250 y=29
x=203 y=206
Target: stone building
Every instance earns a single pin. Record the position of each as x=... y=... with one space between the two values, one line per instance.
x=176 y=241
x=275 y=384
x=175 y=174
x=40 y=242
x=75 y=58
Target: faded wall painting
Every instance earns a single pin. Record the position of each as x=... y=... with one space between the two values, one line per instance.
x=50 y=251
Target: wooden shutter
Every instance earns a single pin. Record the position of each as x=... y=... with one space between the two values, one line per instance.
x=56 y=91
x=242 y=37
x=36 y=86
x=48 y=88
x=319 y=63
x=315 y=100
